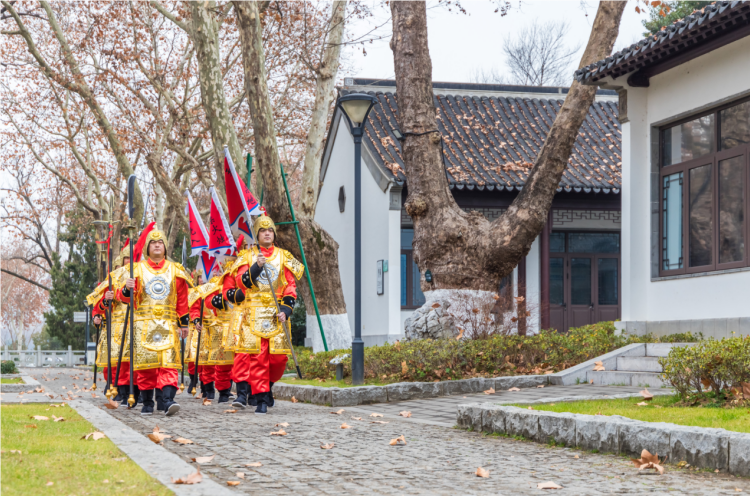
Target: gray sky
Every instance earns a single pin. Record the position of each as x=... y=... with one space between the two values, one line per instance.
x=462 y=43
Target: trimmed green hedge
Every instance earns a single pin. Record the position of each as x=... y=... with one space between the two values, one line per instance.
x=718 y=365
x=448 y=359
x=8 y=367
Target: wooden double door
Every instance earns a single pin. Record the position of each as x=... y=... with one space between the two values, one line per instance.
x=584 y=286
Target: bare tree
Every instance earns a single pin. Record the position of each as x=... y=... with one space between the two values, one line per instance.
x=539 y=55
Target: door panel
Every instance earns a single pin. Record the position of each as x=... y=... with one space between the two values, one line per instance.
x=581 y=308
x=608 y=289
x=557 y=294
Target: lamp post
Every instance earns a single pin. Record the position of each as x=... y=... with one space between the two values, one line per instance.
x=356 y=106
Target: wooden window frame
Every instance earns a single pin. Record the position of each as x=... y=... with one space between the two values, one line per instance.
x=713 y=158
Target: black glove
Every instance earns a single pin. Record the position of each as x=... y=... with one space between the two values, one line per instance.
x=184 y=320
x=246 y=279
x=218 y=302
x=235 y=296
x=287 y=305
x=125 y=293
x=255 y=272
x=196 y=321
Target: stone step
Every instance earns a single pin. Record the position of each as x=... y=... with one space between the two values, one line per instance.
x=638 y=364
x=617 y=378
x=662 y=349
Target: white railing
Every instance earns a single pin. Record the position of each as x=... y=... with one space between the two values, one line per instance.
x=45 y=358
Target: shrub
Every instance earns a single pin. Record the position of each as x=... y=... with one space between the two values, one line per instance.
x=719 y=365
x=8 y=367
x=495 y=355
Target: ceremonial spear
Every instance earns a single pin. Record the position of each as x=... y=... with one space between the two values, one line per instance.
x=131 y=227
x=182 y=340
x=108 y=303
x=198 y=350
x=122 y=345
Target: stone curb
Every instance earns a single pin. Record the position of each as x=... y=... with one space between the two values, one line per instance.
x=401 y=391
x=700 y=447
x=155 y=460
x=28 y=386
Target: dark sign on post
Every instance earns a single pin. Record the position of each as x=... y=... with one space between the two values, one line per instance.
x=381 y=285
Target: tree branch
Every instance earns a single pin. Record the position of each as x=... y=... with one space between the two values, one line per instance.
x=25 y=279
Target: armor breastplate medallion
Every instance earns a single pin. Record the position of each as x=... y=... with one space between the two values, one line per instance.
x=156 y=315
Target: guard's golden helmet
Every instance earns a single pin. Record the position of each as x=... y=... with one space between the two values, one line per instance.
x=155 y=235
x=264 y=222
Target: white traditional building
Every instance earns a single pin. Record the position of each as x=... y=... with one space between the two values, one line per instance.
x=491 y=135
x=685 y=113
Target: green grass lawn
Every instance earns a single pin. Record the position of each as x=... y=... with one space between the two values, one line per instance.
x=54 y=452
x=347 y=382
x=660 y=409
x=15 y=380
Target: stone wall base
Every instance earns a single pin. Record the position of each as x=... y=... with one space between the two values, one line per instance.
x=711 y=328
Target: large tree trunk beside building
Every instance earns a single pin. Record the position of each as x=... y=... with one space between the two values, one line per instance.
x=321 y=248
x=465 y=251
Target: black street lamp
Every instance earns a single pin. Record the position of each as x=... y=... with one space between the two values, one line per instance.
x=356 y=106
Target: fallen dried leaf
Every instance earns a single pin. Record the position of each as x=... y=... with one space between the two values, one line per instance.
x=598 y=366
x=404 y=368
x=376 y=415
x=514 y=389
x=490 y=391
x=233 y=483
x=30 y=426
x=182 y=440
x=540 y=386
x=642 y=403
x=283 y=424
x=40 y=417
x=591 y=381
x=339 y=412
x=378 y=422
x=576 y=456
x=50 y=483
x=327 y=446
x=400 y=439
x=203 y=459
x=112 y=405
x=548 y=485
x=241 y=475
x=94 y=435
x=344 y=426
x=482 y=472
x=280 y=432
x=58 y=419
x=646 y=395
x=356 y=418
x=294 y=400
x=193 y=478
x=647 y=460
x=460 y=334
x=230 y=411
x=206 y=402
x=254 y=464
x=530 y=408
x=405 y=414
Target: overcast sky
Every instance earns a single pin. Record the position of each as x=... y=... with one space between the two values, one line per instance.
x=462 y=43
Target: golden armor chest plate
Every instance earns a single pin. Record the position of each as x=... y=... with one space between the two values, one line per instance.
x=156 y=315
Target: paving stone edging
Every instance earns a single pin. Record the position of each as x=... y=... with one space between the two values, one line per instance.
x=28 y=385
x=158 y=462
x=699 y=446
x=401 y=391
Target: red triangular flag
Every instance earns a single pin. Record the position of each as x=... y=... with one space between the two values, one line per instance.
x=220 y=240
x=240 y=202
x=198 y=233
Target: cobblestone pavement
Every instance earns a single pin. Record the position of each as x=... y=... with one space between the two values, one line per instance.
x=435 y=460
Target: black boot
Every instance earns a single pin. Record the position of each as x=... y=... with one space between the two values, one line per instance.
x=123 y=392
x=261 y=400
x=224 y=395
x=193 y=384
x=269 y=397
x=137 y=396
x=148 y=402
x=118 y=396
x=170 y=406
x=210 y=390
x=159 y=394
x=251 y=398
x=242 y=391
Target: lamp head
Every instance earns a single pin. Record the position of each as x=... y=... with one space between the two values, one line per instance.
x=356 y=107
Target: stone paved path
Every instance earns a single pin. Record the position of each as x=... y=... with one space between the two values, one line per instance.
x=436 y=460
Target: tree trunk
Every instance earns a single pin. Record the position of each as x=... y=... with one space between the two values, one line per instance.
x=321 y=248
x=204 y=31
x=465 y=250
x=324 y=93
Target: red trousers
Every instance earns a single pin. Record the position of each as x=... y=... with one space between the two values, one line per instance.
x=156 y=378
x=206 y=373
x=259 y=369
x=124 y=379
x=223 y=376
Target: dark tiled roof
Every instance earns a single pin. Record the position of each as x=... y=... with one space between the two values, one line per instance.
x=490 y=142
x=696 y=29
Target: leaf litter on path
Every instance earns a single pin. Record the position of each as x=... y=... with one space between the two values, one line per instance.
x=193 y=478
x=339 y=412
x=398 y=440
x=405 y=414
x=280 y=432
x=548 y=485
x=327 y=446
x=649 y=461
x=254 y=464
x=599 y=367
x=203 y=459
x=376 y=415
x=157 y=436
x=490 y=391
x=345 y=426
x=482 y=472
x=182 y=440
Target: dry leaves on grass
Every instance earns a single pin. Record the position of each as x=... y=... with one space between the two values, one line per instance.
x=548 y=485
x=642 y=403
x=233 y=483
x=646 y=395
x=58 y=419
x=157 y=436
x=30 y=426
x=514 y=389
x=280 y=432
x=254 y=464
x=599 y=366
x=294 y=400
x=490 y=391
x=206 y=402
x=230 y=411
x=345 y=426
x=182 y=440
x=482 y=472
x=193 y=478
x=338 y=412
x=39 y=417
x=203 y=459
x=404 y=414
x=282 y=424
x=327 y=446
x=94 y=435
x=50 y=483
x=376 y=415
x=398 y=440
x=647 y=460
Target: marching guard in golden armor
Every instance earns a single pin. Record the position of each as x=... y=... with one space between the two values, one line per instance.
x=99 y=300
x=262 y=347
x=160 y=291
x=217 y=355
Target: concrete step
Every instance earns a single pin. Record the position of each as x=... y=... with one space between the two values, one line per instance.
x=662 y=349
x=638 y=364
x=617 y=378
